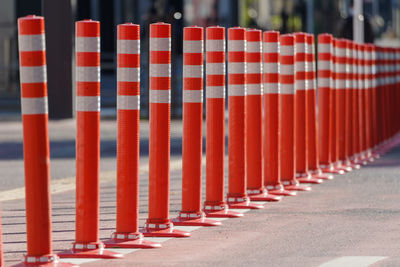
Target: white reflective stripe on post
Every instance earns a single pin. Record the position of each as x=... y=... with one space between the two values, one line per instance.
x=160 y=44
x=300 y=47
x=160 y=96
x=236 y=89
x=128 y=102
x=215 y=45
x=324 y=48
x=193 y=96
x=287 y=89
x=31 y=42
x=215 y=92
x=192 y=46
x=128 y=46
x=340 y=68
x=254 y=89
x=287 y=50
x=128 y=74
x=88 y=103
x=253 y=47
x=236 y=67
x=340 y=84
x=270 y=47
x=253 y=67
x=324 y=82
x=271 y=88
x=300 y=66
x=87 y=74
x=236 y=45
x=193 y=71
x=35 y=74
x=340 y=52
x=87 y=44
x=271 y=67
x=160 y=70
x=324 y=65
x=287 y=69
x=34 y=105
x=215 y=68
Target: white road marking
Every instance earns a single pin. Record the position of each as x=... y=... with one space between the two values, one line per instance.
x=78 y=261
x=240 y=210
x=352 y=261
x=157 y=239
x=187 y=228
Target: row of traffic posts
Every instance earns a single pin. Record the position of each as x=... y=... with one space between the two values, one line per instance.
x=279 y=143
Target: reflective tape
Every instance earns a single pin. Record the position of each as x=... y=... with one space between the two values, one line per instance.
x=271 y=88
x=236 y=89
x=215 y=91
x=287 y=50
x=215 y=45
x=236 y=45
x=160 y=70
x=300 y=85
x=87 y=44
x=341 y=52
x=193 y=96
x=270 y=47
x=128 y=102
x=160 y=96
x=88 y=103
x=340 y=84
x=192 y=46
x=35 y=74
x=254 y=67
x=215 y=68
x=287 y=69
x=324 y=48
x=253 y=47
x=324 y=82
x=271 y=67
x=300 y=66
x=300 y=47
x=324 y=65
x=287 y=89
x=160 y=44
x=87 y=74
x=340 y=68
x=193 y=71
x=128 y=46
x=34 y=42
x=34 y=105
x=236 y=67
x=254 y=89
x=128 y=74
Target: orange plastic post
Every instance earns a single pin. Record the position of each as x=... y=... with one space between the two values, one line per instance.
x=288 y=119
x=301 y=86
x=367 y=99
x=34 y=110
x=192 y=141
x=353 y=80
x=374 y=104
x=311 y=94
x=361 y=103
x=87 y=48
x=1 y=245
x=127 y=234
x=379 y=98
x=272 y=115
x=215 y=205
x=158 y=223
x=237 y=195
x=253 y=119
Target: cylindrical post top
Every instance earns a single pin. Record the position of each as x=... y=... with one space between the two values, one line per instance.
x=31 y=24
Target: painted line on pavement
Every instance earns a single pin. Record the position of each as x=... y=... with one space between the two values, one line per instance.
x=353 y=261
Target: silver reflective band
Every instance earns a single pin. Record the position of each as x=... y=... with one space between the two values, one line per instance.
x=34 y=42
x=341 y=52
x=271 y=88
x=340 y=84
x=287 y=69
x=254 y=89
x=253 y=47
x=236 y=45
x=287 y=89
x=193 y=96
x=236 y=89
x=215 y=45
x=160 y=96
x=87 y=74
x=87 y=44
x=300 y=66
x=254 y=67
x=215 y=68
x=324 y=48
x=215 y=91
x=193 y=71
x=128 y=46
x=88 y=103
x=34 y=105
x=300 y=47
x=128 y=74
x=193 y=46
x=36 y=74
x=160 y=44
x=160 y=70
x=300 y=85
x=236 y=67
x=271 y=67
x=271 y=47
x=324 y=82
x=324 y=65
x=287 y=50
x=128 y=102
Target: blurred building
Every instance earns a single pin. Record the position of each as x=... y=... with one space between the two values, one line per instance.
x=282 y=15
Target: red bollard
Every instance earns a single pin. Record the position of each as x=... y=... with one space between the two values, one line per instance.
x=272 y=116
x=301 y=86
x=361 y=103
x=158 y=223
x=215 y=206
x=34 y=109
x=254 y=157
x=87 y=47
x=192 y=141
x=127 y=234
x=288 y=109
x=325 y=103
x=374 y=104
x=237 y=196
x=313 y=152
x=1 y=245
x=368 y=100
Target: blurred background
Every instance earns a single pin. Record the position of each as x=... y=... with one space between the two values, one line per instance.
x=381 y=25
